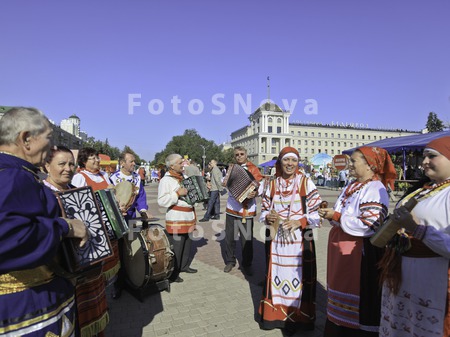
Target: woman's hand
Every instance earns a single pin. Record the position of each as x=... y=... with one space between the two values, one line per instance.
x=77 y=230
x=326 y=213
x=272 y=218
x=405 y=219
x=291 y=225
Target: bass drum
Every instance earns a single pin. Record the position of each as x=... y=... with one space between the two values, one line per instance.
x=149 y=258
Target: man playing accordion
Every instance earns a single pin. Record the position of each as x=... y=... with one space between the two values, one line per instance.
x=239 y=214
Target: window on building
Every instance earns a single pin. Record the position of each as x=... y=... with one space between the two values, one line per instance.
x=319 y=143
x=299 y=142
x=345 y=135
x=363 y=137
x=298 y=133
x=278 y=129
x=326 y=134
x=306 y=142
x=269 y=119
x=339 y=144
x=319 y=150
x=332 y=143
x=306 y=150
x=312 y=151
x=319 y=134
x=332 y=151
x=312 y=134
x=339 y=135
x=368 y=137
x=274 y=150
x=292 y=132
x=351 y=136
x=326 y=151
x=357 y=136
x=279 y=120
x=274 y=142
x=345 y=144
x=312 y=142
x=332 y=135
x=326 y=143
x=306 y=133
x=269 y=129
x=351 y=144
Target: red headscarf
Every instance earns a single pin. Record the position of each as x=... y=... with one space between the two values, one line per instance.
x=283 y=152
x=441 y=145
x=380 y=162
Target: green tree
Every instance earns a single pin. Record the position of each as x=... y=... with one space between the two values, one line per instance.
x=434 y=123
x=190 y=144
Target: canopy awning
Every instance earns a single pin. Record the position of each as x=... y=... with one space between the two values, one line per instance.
x=406 y=143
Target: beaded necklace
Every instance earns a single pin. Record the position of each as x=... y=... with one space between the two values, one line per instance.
x=283 y=194
x=352 y=189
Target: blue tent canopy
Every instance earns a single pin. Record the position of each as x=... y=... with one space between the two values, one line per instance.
x=406 y=143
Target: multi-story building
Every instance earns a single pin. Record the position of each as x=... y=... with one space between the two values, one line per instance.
x=71 y=125
x=270 y=130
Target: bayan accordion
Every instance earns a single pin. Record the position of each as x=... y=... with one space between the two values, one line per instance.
x=240 y=182
x=80 y=203
x=197 y=190
x=115 y=223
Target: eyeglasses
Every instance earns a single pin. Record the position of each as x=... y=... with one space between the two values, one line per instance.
x=94 y=158
x=239 y=154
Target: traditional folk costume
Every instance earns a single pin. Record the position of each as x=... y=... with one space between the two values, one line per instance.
x=33 y=301
x=290 y=290
x=100 y=181
x=140 y=203
x=240 y=215
x=90 y=299
x=180 y=219
x=420 y=306
x=352 y=273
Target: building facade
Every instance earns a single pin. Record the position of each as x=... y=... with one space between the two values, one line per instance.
x=270 y=130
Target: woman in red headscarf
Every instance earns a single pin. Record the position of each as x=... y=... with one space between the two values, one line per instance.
x=289 y=209
x=353 y=307
x=415 y=296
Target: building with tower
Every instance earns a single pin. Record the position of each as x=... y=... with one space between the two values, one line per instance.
x=270 y=130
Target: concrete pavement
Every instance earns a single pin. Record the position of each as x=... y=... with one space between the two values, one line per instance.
x=211 y=302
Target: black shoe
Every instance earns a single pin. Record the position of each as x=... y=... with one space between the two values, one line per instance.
x=216 y=217
x=177 y=280
x=189 y=270
x=228 y=267
x=203 y=220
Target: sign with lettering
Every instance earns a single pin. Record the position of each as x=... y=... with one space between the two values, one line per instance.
x=341 y=161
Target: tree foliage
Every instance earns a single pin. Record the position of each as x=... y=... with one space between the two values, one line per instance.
x=434 y=123
x=105 y=148
x=194 y=146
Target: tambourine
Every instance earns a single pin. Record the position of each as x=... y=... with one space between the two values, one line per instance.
x=125 y=193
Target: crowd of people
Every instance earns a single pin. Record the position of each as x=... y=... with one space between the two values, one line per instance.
x=401 y=289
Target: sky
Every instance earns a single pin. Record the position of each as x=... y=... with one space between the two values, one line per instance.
x=140 y=72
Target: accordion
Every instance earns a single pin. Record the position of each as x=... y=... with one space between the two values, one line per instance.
x=115 y=223
x=240 y=182
x=197 y=190
x=80 y=203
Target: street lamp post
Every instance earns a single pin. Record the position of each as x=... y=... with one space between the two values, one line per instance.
x=203 y=158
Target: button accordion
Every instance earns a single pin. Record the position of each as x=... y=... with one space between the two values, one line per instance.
x=240 y=182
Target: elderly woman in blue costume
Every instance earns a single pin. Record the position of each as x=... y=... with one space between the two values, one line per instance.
x=33 y=301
